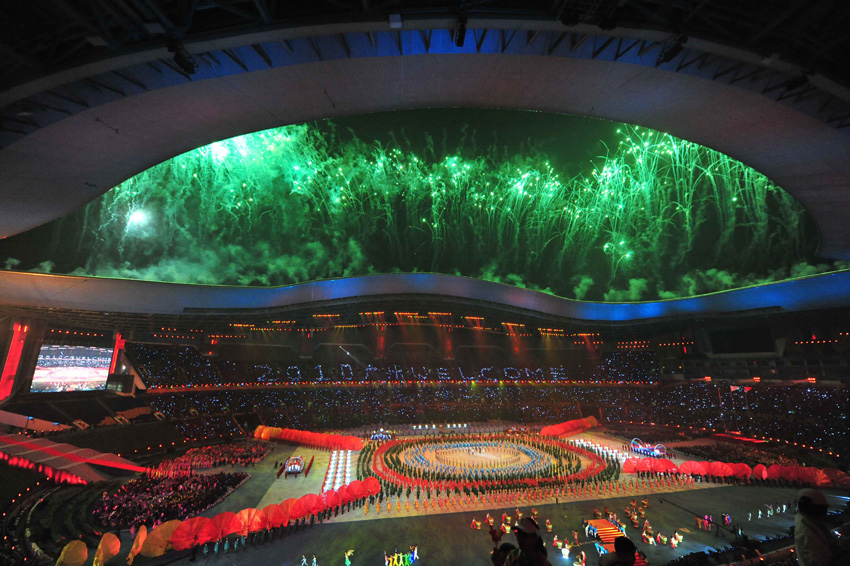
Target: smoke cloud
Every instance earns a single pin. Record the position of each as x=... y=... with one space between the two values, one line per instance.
x=637 y=287
x=44 y=267
x=255 y=265
x=583 y=285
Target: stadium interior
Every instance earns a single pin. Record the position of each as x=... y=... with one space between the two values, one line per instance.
x=265 y=275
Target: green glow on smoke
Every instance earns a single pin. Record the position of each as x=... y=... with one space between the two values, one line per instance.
x=655 y=217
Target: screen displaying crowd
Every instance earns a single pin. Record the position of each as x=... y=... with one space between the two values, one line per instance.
x=70 y=368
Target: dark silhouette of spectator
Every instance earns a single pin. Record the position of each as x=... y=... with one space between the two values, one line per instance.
x=623 y=555
x=500 y=553
x=814 y=544
x=532 y=550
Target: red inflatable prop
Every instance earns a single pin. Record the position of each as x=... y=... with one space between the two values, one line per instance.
x=570 y=427
x=193 y=532
x=305 y=438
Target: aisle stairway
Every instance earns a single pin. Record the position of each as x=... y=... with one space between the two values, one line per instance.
x=607 y=533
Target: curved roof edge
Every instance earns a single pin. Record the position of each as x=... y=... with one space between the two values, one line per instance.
x=61 y=151
x=17 y=289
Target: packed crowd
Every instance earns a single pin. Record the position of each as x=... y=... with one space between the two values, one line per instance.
x=762 y=410
x=352 y=407
x=765 y=410
x=178 y=365
x=231 y=454
x=206 y=426
x=153 y=500
x=184 y=366
x=687 y=405
x=733 y=453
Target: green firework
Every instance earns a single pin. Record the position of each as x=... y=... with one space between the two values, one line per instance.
x=655 y=215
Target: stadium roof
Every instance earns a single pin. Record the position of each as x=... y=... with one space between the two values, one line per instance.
x=114 y=303
x=92 y=95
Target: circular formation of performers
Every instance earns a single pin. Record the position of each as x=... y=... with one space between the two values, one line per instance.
x=503 y=457
x=495 y=460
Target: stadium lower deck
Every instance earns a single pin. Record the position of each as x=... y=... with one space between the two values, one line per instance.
x=447 y=533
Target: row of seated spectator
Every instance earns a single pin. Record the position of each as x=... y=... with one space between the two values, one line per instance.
x=241 y=453
x=151 y=500
x=733 y=453
x=349 y=407
x=806 y=414
x=169 y=364
x=688 y=405
x=760 y=412
x=201 y=415
x=207 y=427
x=184 y=366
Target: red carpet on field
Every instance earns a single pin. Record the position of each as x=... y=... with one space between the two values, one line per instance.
x=608 y=532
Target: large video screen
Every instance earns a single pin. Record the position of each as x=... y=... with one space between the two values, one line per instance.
x=71 y=368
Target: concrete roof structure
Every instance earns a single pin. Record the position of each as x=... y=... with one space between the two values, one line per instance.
x=69 y=294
